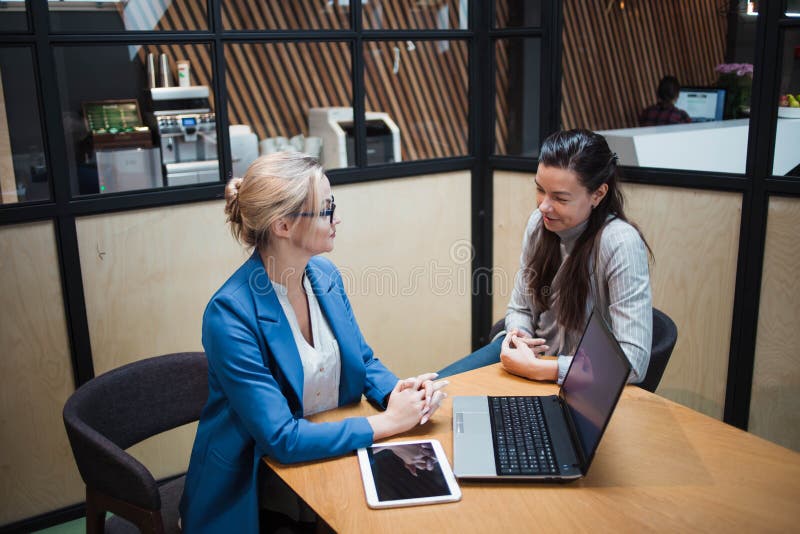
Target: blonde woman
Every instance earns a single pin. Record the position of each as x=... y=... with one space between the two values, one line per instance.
x=282 y=343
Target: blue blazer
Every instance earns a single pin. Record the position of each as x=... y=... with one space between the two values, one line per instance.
x=255 y=402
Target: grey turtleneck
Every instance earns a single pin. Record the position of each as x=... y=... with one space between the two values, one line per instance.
x=619 y=287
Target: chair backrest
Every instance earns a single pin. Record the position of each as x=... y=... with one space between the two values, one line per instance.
x=124 y=406
x=665 y=335
x=497 y=328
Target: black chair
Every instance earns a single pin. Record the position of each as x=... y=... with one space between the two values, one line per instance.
x=665 y=335
x=119 y=409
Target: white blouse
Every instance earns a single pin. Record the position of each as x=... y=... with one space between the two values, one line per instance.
x=322 y=364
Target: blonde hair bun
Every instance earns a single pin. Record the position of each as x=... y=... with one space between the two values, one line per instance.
x=232 y=201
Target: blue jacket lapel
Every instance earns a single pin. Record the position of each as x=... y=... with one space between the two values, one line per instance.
x=323 y=282
x=275 y=327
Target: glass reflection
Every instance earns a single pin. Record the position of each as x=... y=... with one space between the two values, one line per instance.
x=420 y=15
x=420 y=87
x=283 y=15
x=787 y=136
x=618 y=54
x=288 y=96
x=13 y=16
x=23 y=168
x=518 y=13
x=147 y=122
x=517 y=88
x=128 y=15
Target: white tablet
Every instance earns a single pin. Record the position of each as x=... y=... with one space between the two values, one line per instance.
x=407 y=473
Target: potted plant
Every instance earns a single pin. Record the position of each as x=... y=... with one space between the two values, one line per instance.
x=737 y=80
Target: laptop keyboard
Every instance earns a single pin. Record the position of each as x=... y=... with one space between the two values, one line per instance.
x=522 y=443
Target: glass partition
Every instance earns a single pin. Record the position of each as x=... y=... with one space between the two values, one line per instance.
x=127 y=15
x=283 y=15
x=667 y=83
x=518 y=13
x=405 y=15
x=416 y=100
x=289 y=96
x=13 y=16
x=138 y=116
x=787 y=136
x=517 y=96
x=23 y=167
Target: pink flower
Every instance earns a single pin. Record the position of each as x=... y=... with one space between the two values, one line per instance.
x=740 y=69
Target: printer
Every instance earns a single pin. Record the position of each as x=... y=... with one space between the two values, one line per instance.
x=336 y=128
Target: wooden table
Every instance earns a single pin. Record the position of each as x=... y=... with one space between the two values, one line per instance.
x=659 y=467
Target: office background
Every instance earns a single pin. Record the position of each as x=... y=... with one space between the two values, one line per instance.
x=430 y=244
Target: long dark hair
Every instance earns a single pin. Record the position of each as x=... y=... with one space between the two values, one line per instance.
x=587 y=155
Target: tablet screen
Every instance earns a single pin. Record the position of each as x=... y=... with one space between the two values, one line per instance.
x=407 y=473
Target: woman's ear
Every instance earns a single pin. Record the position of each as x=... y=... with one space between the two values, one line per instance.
x=599 y=194
x=280 y=227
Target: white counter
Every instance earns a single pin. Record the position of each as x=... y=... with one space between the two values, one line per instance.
x=719 y=146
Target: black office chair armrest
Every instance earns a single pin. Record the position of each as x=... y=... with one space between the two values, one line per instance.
x=106 y=467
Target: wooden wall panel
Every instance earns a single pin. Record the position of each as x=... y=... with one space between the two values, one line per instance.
x=147 y=276
x=693 y=281
x=614 y=58
x=37 y=470
x=406 y=262
x=775 y=403
x=514 y=201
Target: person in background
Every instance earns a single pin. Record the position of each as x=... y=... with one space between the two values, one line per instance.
x=579 y=252
x=282 y=343
x=664 y=111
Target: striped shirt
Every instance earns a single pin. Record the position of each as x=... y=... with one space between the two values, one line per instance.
x=619 y=288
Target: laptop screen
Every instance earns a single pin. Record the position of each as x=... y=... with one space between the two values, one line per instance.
x=702 y=103
x=593 y=384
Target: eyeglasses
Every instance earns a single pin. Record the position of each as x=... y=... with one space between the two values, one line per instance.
x=324 y=213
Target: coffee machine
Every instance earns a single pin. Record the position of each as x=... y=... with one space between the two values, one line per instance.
x=187 y=132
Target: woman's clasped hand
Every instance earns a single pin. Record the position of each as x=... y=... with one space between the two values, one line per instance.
x=413 y=401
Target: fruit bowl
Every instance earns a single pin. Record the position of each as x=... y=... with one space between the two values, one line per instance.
x=788 y=113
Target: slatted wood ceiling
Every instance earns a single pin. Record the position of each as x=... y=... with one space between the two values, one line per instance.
x=272 y=85
x=613 y=59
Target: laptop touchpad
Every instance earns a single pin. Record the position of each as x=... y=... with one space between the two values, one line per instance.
x=473 y=424
x=472 y=441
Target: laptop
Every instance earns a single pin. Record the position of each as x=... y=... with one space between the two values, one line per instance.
x=544 y=437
